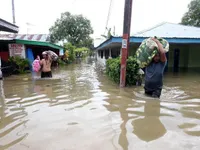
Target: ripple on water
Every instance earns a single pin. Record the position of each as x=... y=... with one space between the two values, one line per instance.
x=79 y=108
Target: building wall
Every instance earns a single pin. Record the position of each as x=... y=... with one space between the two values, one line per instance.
x=184 y=54
x=194 y=56
x=189 y=55
x=188 y=58
x=4 y=56
x=100 y=58
x=132 y=49
x=4 y=53
x=183 y=57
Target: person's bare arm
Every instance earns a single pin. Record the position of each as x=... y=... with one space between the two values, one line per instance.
x=49 y=56
x=161 y=50
x=41 y=62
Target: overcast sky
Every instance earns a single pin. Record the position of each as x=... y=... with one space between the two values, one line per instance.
x=43 y=13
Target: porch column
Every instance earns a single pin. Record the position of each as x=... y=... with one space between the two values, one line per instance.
x=104 y=58
x=104 y=54
x=96 y=54
x=110 y=53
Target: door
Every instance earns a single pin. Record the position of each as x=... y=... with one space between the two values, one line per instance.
x=176 y=60
x=30 y=56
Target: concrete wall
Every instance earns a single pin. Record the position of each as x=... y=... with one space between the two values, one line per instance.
x=189 y=55
x=132 y=49
x=184 y=53
x=183 y=58
x=194 y=56
x=99 y=58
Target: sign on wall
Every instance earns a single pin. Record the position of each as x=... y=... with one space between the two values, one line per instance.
x=61 y=52
x=17 y=50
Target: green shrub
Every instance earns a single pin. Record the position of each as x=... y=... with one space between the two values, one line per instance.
x=20 y=63
x=71 y=51
x=61 y=62
x=82 y=52
x=113 y=67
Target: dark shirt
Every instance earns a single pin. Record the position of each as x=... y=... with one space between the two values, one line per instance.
x=154 y=75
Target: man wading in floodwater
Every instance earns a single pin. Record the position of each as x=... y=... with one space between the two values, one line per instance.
x=46 y=65
x=154 y=72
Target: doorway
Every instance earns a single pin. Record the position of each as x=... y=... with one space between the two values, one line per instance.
x=176 y=60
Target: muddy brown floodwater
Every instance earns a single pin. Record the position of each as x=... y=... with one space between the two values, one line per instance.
x=80 y=109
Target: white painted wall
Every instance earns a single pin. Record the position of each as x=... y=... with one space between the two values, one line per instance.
x=102 y=61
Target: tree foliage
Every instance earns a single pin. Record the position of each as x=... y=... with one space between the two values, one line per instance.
x=108 y=34
x=192 y=17
x=76 y=29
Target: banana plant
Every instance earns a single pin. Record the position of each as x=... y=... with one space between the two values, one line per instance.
x=108 y=34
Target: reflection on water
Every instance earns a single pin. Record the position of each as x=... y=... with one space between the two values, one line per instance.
x=149 y=127
x=81 y=109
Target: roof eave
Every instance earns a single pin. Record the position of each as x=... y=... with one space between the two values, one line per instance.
x=134 y=39
x=8 y=27
x=26 y=42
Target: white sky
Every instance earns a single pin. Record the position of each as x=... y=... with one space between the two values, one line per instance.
x=43 y=13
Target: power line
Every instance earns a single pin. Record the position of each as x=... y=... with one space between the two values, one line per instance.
x=108 y=17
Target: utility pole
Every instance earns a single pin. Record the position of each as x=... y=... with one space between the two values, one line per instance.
x=13 y=11
x=125 y=40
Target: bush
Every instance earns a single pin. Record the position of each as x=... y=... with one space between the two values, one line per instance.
x=71 y=51
x=61 y=62
x=19 y=63
x=82 y=52
x=113 y=67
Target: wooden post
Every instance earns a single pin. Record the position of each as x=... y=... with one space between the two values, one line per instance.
x=13 y=11
x=125 y=40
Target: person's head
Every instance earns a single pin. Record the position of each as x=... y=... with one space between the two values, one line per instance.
x=38 y=57
x=156 y=58
x=44 y=54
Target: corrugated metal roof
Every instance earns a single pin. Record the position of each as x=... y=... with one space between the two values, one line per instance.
x=170 y=30
x=30 y=37
x=8 y=27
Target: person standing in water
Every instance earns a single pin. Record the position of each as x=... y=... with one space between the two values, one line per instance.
x=154 y=72
x=46 y=65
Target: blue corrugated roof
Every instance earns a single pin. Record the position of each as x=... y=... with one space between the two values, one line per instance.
x=173 y=33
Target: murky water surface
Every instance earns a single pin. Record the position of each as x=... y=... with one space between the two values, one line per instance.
x=80 y=109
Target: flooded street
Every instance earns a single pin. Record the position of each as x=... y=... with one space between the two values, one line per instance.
x=80 y=109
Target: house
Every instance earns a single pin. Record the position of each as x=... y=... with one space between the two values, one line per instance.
x=184 y=45
x=26 y=45
x=6 y=27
